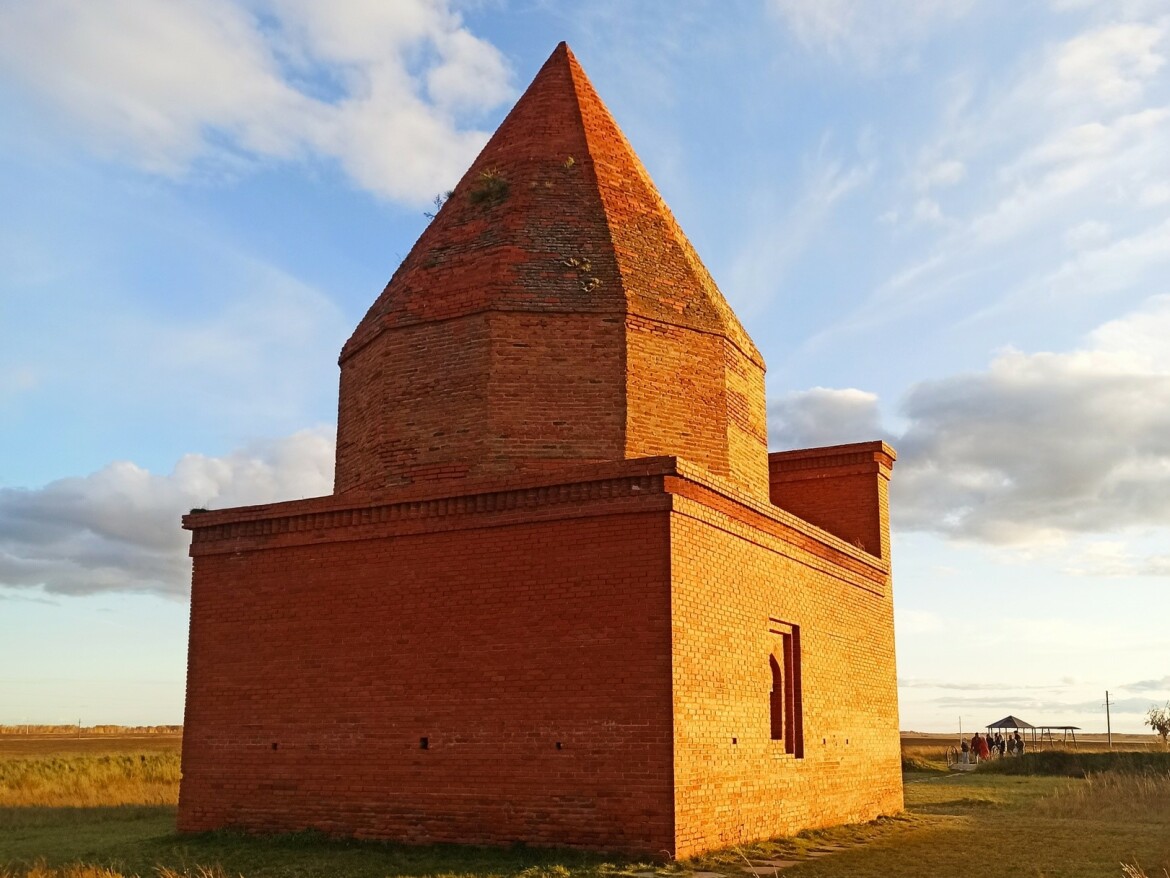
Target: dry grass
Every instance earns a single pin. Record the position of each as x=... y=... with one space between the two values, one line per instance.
x=90 y=781
x=74 y=870
x=928 y=757
x=1134 y=797
x=17 y=746
x=1136 y=871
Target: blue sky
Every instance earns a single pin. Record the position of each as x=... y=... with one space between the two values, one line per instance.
x=944 y=222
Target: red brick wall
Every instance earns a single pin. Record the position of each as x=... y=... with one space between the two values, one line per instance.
x=495 y=643
x=676 y=398
x=413 y=405
x=488 y=393
x=733 y=782
x=747 y=421
x=628 y=615
x=841 y=488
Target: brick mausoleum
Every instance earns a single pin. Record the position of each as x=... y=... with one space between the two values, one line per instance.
x=561 y=594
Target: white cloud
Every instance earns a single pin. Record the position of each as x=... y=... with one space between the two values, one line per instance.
x=1034 y=450
x=867 y=32
x=1158 y=685
x=1085 y=234
x=943 y=174
x=118 y=529
x=823 y=416
x=1117 y=265
x=927 y=210
x=1115 y=558
x=376 y=87
x=1039 y=447
x=1110 y=64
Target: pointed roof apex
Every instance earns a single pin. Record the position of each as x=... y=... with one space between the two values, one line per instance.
x=556 y=214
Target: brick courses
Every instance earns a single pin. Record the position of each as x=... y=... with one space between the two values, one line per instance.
x=553 y=312
x=551 y=593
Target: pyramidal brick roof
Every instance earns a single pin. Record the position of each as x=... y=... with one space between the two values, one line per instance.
x=556 y=214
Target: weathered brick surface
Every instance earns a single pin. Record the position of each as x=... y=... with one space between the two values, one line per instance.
x=561 y=593
x=554 y=261
x=533 y=656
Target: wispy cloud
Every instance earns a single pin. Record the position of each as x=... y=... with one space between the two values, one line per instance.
x=1066 y=144
x=870 y=34
x=381 y=89
x=1161 y=684
x=1115 y=558
x=759 y=269
x=1000 y=686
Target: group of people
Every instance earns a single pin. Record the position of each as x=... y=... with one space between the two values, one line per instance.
x=985 y=746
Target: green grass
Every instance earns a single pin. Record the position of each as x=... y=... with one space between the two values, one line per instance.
x=1072 y=763
x=982 y=823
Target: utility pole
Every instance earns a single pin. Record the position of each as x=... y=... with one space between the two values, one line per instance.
x=1108 y=721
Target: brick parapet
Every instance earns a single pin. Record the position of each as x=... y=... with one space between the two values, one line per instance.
x=841 y=488
x=643 y=484
x=807 y=463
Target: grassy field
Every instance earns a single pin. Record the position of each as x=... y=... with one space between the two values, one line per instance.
x=55 y=823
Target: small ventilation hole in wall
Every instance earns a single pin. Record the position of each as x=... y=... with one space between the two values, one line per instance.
x=735 y=740
x=275 y=746
x=424 y=743
x=560 y=746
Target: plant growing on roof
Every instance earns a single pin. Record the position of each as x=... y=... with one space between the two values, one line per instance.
x=438 y=202
x=491 y=187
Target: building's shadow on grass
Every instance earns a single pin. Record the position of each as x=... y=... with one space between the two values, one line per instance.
x=138 y=840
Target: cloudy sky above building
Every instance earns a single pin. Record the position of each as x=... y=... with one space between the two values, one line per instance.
x=945 y=224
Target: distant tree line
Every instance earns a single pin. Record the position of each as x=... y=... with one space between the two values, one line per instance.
x=73 y=729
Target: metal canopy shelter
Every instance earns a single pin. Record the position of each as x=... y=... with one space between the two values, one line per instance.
x=1068 y=732
x=1038 y=734
x=1016 y=724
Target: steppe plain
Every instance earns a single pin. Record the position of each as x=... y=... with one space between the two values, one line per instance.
x=103 y=806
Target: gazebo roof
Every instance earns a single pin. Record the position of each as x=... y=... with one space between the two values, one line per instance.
x=1010 y=722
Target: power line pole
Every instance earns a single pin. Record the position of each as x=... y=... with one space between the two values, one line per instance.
x=1108 y=721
